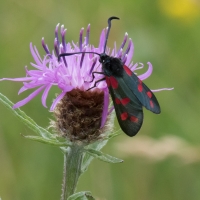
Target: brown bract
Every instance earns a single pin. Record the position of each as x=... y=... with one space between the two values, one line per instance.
x=78 y=115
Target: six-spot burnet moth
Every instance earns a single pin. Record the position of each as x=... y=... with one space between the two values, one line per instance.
x=128 y=92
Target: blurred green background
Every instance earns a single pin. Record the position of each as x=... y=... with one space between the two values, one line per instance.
x=163 y=160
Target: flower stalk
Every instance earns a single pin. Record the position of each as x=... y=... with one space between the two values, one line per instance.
x=72 y=169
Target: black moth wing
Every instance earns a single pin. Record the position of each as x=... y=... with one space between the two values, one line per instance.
x=141 y=91
x=127 y=107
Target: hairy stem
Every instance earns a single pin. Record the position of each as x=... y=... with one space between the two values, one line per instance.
x=72 y=170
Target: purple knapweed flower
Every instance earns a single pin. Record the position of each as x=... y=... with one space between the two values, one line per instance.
x=75 y=71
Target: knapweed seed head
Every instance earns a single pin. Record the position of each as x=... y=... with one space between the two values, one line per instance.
x=78 y=115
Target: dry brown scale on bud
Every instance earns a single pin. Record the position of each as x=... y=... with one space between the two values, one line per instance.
x=78 y=115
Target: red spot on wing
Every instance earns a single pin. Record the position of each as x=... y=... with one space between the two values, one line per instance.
x=117 y=101
x=108 y=81
x=140 y=88
x=113 y=82
x=134 y=119
x=124 y=116
x=125 y=101
x=149 y=94
x=151 y=104
x=127 y=70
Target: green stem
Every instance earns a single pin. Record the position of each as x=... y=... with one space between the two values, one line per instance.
x=72 y=170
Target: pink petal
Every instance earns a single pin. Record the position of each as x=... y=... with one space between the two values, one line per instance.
x=158 y=90
x=102 y=41
x=105 y=107
x=147 y=73
x=34 y=84
x=130 y=53
x=35 y=56
x=65 y=87
x=22 y=89
x=27 y=99
x=36 y=66
x=34 y=73
x=58 y=98
x=44 y=95
x=18 y=79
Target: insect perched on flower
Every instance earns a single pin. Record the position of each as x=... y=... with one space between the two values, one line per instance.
x=79 y=69
x=128 y=92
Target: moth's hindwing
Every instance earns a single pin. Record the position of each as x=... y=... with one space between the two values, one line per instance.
x=141 y=91
x=128 y=108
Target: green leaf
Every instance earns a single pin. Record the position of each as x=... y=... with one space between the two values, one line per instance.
x=47 y=141
x=87 y=159
x=81 y=196
x=114 y=134
x=102 y=156
x=30 y=123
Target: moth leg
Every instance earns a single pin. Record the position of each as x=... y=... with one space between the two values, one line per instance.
x=94 y=76
x=95 y=84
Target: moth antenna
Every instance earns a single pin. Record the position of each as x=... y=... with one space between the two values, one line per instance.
x=69 y=54
x=109 y=26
